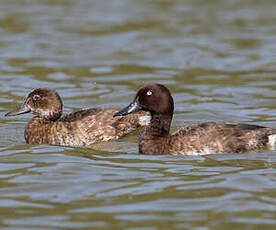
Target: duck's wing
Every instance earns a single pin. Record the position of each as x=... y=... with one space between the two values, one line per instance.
x=81 y=114
x=220 y=137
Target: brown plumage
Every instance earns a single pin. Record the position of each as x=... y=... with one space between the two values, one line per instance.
x=83 y=128
x=196 y=139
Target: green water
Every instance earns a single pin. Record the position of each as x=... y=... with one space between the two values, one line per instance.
x=217 y=58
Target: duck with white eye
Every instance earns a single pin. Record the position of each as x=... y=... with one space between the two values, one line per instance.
x=194 y=139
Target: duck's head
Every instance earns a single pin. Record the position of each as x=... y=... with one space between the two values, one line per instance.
x=43 y=102
x=154 y=98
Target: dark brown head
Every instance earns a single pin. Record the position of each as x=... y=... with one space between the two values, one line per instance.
x=43 y=102
x=155 y=98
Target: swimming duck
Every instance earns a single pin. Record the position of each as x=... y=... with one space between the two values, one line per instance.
x=79 y=129
x=195 y=139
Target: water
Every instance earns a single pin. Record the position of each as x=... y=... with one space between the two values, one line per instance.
x=217 y=58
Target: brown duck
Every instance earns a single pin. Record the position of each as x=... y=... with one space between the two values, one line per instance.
x=196 y=139
x=79 y=129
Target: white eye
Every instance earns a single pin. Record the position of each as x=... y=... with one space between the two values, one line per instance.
x=149 y=93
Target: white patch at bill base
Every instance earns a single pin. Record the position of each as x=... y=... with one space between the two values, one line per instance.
x=272 y=141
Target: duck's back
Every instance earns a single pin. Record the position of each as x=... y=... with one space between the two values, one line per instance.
x=219 y=137
x=82 y=128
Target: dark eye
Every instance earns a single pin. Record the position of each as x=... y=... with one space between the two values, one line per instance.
x=149 y=93
x=36 y=97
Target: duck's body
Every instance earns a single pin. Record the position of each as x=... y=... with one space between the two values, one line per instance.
x=83 y=128
x=196 y=139
x=219 y=137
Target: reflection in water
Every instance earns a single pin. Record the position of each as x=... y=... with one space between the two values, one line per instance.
x=215 y=56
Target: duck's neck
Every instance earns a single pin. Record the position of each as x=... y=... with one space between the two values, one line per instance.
x=153 y=139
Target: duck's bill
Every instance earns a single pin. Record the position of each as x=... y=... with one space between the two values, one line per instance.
x=22 y=109
x=131 y=108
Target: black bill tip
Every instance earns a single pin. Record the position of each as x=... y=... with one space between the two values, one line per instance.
x=117 y=114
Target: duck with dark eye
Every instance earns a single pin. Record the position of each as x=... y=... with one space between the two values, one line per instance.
x=195 y=139
x=83 y=128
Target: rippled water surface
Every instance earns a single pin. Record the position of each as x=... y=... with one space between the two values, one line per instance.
x=217 y=58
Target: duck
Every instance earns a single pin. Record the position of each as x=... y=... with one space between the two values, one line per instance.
x=194 y=139
x=82 y=128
